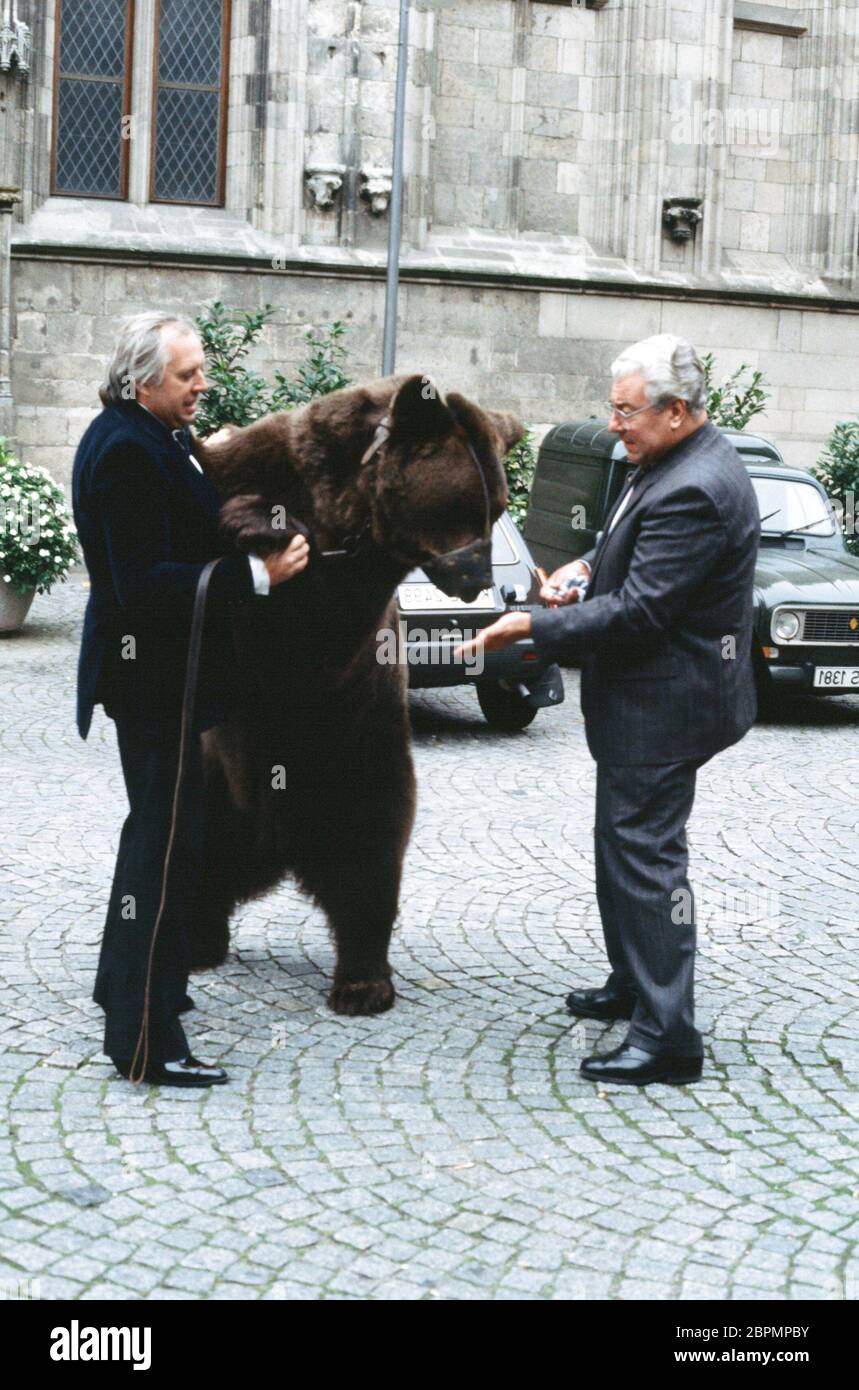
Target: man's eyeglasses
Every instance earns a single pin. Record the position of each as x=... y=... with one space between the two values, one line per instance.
x=627 y=414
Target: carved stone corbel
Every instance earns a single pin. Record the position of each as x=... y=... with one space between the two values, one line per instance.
x=681 y=217
x=375 y=189
x=323 y=183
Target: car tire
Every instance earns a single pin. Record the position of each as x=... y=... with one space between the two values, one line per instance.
x=504 y=710
x=768 y=696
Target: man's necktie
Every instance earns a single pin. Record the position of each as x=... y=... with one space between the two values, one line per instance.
x=183 y=439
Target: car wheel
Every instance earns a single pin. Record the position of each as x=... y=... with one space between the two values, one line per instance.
x=769 y=701
x=503 y=709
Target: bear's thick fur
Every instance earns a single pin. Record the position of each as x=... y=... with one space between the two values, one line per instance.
x=312 y=775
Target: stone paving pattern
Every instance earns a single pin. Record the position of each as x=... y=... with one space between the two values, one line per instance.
x=449 y=1149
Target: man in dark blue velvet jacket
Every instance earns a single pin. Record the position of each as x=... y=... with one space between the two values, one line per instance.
x=147 y=518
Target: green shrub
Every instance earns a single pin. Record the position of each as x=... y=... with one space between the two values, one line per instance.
x=838 y=471
x=519 y=465
x=733 y=404
x=238 y=395
x=320 y=372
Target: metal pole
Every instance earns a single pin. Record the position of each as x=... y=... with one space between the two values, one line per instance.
x=395 y=225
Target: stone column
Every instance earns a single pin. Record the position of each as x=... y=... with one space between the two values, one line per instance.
x=715 y=26
x=420 y=124
x=281 y=212
x=661 y=82
x=8 y=198
x=823 y=202
x=14 y=65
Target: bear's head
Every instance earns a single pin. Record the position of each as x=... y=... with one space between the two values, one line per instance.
x=413 y=471
x=439 y=483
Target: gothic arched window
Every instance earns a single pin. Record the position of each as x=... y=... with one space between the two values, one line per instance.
x=185 y=45
x=189 y=103
x=92 y=75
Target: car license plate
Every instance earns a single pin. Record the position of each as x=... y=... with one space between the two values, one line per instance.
x=416 y=598
x=837 y=677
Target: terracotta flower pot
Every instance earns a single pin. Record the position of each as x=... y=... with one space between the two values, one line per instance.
x=14 y=607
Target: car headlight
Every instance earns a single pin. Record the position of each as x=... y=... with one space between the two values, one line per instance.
x=786 y=626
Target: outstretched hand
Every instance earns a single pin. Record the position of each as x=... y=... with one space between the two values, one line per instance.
x=512 y=628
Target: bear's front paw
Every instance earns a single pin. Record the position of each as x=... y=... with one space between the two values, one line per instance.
x=362 y=997
x=251 y=525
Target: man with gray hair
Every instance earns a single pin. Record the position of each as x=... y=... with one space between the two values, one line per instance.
x=147 y=517
x=664 y=640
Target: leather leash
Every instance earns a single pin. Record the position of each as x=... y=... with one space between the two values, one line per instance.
x=188 y=697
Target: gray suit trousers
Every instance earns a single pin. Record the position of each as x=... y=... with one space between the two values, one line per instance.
x=645 y=902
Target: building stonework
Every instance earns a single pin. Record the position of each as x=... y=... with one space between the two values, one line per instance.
x=576 y=177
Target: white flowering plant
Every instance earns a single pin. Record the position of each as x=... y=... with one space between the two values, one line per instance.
x=38 y=544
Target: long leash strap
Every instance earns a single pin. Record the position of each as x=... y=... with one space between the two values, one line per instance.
x=192 y=671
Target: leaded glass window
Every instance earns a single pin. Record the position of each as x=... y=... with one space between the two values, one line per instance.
x=190 y=101
x=92 y=74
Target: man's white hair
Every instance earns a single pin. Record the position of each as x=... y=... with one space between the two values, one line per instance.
x=671 y=368
x=140 y=354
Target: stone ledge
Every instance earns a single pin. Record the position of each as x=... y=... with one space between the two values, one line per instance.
x=768 y=19
x=157 y=228
x=459 y=266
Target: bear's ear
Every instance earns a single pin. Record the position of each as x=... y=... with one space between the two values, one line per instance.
x=498 y=428
x=419 y=410
x=508 y=427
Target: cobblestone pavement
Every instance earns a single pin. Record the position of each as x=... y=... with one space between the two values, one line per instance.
x=448 y=1149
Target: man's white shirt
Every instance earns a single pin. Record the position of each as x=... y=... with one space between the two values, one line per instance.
x=621 y=509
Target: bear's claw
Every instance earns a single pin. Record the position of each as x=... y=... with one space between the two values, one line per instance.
x=362 y=997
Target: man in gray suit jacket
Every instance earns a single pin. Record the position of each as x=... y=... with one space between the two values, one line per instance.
x=664 y=640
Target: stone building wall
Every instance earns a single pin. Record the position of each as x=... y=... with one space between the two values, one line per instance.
x=543 y=353
x=542 y=142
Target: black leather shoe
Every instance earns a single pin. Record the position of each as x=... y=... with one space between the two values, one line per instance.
x=187 y=1072
x=600 y=1003
x=632 y=1066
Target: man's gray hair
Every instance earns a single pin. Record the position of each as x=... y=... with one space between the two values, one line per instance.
x=140 y=354
x=671 y=368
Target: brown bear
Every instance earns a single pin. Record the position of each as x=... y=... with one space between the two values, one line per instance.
x=312 y=774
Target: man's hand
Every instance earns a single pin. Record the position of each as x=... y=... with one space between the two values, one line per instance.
x=513 y=627
x=576 y=569
x=286 y=564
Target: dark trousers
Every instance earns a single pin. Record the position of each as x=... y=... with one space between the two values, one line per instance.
x=149 y=752
x=646 y=904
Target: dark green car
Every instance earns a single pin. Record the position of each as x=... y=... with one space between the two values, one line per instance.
x=806 y=635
